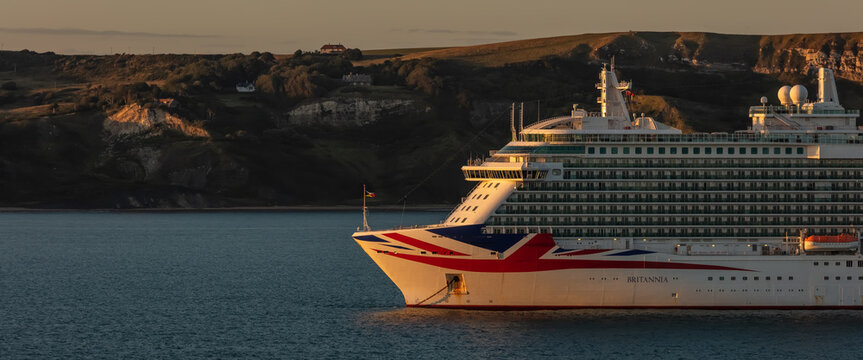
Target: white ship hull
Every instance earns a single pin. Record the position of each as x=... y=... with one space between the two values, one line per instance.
x=534 y=273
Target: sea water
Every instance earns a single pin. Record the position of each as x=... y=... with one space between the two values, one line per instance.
x=119 y=285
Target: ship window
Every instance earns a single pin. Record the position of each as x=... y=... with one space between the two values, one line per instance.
x=638 y=150
x=496 y=185
x=474 y=208
x=816 y=263
x=848 y=278
x=463 y=220
x=837 y=263
x=849 y=263
x=860 y=278
x=662 y=150
x=614 y=150
x=800 y=151
x=485 y=197
x=790 y=278
x=708 y=151
x=826 y=278
x=602 y=150
x=742 y=151
x=650 y=150
x=755 y=278
x=626 y=150
x=731 y=151
x=766 y=278
x=778 y=278
x=826 y=263
x=859 y=263
x=733 y=278
x=838 y=277
x=696 y=151
x=673 y=150
x=722 y=278
x=710 y=278
x=684 y=150
x=745 y=278
x=753 y=151
x=719 y=151
x=788 y=151
x=776 y=151
x=591 y=150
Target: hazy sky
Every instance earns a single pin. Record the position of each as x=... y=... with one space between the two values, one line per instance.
x=220 y=26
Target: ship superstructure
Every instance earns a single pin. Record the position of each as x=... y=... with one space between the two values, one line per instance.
x=611 y=209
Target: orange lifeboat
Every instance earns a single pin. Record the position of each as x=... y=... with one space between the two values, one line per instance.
x=831 y=242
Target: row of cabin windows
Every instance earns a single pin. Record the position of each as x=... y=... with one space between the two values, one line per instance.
x=730 y=185
x=744 y=278
x=708 y=209
x=479 y=196
x=714 y=162
x=489 y=185
x=654 y=232
x=718 y=174
x=699 y=197
x=640 y=221
x=848 y=263
x=673 y=150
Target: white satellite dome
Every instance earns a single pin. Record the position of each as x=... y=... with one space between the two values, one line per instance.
x=799 y=94
x=785 y=95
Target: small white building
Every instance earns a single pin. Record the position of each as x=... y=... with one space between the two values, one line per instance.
x=245 y=87
x=357 y=79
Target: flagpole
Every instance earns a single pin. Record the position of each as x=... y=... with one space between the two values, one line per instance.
x=365 y=221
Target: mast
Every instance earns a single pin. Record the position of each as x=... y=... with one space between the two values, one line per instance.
x=512 y=121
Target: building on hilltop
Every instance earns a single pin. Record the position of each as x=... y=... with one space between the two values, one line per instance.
x=333 y=49
x=357 y=79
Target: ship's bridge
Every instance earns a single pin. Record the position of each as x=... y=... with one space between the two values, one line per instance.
x=518 y=171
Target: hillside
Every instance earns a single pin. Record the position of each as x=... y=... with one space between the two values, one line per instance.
x=166 y=131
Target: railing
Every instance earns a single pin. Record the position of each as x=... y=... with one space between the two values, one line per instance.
x=682 y=139
x=771 y=109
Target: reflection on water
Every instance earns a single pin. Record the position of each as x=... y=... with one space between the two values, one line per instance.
x=602 y=333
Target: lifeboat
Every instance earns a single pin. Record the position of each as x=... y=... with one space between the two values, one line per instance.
x=831 y=242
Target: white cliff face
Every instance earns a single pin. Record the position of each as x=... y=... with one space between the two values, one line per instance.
x=847 y=62
x=134 y=120
x=349 y=112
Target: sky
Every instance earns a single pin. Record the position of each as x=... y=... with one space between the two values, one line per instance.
x=283 y=26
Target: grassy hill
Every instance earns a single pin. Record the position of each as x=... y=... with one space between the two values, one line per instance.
x=306 y=138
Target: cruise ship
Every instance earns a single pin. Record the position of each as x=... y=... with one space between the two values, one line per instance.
x=614 y=210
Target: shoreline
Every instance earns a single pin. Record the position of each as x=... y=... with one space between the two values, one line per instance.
x=292 y=208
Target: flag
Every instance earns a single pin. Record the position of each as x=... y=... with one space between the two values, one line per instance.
x=370 y=194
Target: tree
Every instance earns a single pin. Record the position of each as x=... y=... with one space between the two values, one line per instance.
x=298 y=53
x=353 y=54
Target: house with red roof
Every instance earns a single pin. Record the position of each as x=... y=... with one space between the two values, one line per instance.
x=333 y=49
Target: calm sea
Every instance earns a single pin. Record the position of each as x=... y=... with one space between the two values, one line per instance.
x=294 y=285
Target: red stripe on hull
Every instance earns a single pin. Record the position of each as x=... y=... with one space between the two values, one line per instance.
x=422 y=244
x=573 y=307
x=527 y=259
